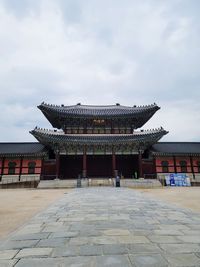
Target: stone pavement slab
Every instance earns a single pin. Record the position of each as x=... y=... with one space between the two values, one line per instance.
x=186 y=259
x=8 y=263
x=34 y=252
x=153 y=260
x=106 y=227
x=7 y=254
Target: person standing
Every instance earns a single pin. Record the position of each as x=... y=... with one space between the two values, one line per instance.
x=117 y=181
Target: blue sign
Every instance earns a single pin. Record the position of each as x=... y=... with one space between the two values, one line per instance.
x=171 y=179
x=177 y=179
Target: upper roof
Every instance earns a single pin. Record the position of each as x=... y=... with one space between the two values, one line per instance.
x=57 y=114
x=176 y=148
x=22 y=149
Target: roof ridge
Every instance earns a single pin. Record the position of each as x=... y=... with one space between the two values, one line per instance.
x=117 y=105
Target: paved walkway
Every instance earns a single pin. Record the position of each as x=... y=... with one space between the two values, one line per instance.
x=96 y=227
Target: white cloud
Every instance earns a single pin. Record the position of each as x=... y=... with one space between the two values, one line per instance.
x=99 y=52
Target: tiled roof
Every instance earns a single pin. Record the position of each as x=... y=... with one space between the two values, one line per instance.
x=178 y=148
x=57 y=114
x=48 y=137
x=89 y=110
x=22 y=149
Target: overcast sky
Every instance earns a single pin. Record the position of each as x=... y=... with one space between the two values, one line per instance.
x=100 y=52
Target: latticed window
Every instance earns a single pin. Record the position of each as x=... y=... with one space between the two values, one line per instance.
x=31 y=167
x=183 y=165
x=165 y=166
x=198 y=166
x=11 y=167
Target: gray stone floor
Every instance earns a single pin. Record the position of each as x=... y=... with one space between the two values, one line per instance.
x=95 y=227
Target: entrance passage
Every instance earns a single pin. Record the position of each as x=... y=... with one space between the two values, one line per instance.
x=127 y=165
x=99 y=165
x=70 y=166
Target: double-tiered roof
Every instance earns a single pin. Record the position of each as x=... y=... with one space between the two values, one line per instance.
x=122 y=121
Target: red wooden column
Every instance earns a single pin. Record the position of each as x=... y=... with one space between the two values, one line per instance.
x=2 y=167
x=84 y=163
x=154 y=166
x=57 y=164
x=192 y=166
x=20 y=168
x=42 y=168
x=175 y=169
x=114 y=171
x=140 y=164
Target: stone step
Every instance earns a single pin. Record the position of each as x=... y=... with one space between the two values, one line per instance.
x=141 y=183
x=100 y=182
x=57 y=183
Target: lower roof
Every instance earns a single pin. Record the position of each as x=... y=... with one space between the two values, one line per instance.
x=176 y=148
x=52 y=138
x=33 y=149
x=26 y=149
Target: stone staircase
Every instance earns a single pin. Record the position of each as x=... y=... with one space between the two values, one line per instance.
x=101 y=182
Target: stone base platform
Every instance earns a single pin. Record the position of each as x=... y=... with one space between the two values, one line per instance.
x=72 y=183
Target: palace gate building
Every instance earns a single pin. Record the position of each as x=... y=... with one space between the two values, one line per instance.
x=98 y=141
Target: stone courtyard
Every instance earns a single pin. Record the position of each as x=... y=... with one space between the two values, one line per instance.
x=106 y=226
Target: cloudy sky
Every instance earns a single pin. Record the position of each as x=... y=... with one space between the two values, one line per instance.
x=100 y=52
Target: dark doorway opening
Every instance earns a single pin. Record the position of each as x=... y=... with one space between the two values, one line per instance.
x=71 y=166
x=127 y=165
x=49 y=170
x=99 y=166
